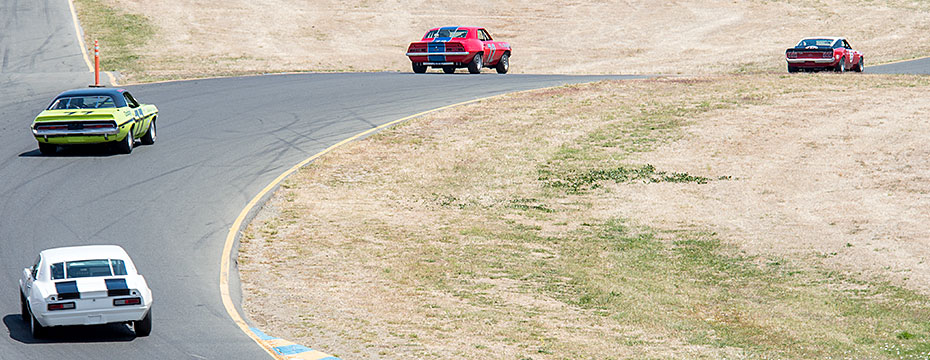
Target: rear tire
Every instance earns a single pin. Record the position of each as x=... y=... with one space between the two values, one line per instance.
x=47 y=149
x=792 y=69
x=419 y=68
x=841 y=67
x=448 y=69
x=149 y=137
x=125 y=146
x=143 y=327
x=36 y=329
x=861 y=65
x=24 y=310
x=474 y=67
x=503 y=65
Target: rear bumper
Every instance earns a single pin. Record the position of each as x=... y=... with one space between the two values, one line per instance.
x=812 y=62
x=442 y=59
x=66 y=137
x=94 y=132
x=92 y=317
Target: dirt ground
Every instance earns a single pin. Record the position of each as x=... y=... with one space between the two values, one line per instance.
x=198 y=38
x=828 y=169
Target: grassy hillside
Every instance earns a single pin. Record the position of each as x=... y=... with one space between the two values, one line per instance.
x=196 y=38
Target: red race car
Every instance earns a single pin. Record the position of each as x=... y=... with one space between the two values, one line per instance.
x=824 y=53
x=455 y=47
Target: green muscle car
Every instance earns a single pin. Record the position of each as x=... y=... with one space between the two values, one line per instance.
x=94 y=116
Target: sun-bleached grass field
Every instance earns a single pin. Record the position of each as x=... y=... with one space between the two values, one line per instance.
x=768 y=216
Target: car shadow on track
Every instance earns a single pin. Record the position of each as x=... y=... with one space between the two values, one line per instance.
x=95 y=150
x=68 y=334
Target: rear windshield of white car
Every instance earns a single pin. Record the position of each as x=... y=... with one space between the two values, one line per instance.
x=83 y=102
x=88 y=268
x=816 y=42
x=446 y=33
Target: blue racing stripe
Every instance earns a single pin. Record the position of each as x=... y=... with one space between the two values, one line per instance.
x=67 y=290
x=437 y=46
x=291 y=349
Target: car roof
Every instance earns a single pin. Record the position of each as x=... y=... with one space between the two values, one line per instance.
x=86 y=252
x=457 y=27
x=93 y=91
x=834 y=38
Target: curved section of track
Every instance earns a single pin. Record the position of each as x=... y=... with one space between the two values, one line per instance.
x=918 y=66
x=170 y=205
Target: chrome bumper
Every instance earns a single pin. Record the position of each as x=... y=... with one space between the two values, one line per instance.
x=81 y=132
x=438 y=53
x=816 y=61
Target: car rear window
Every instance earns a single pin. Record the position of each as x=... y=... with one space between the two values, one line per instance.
x=83 y=102
x=815 y=42
x=88 y=268
x=446 y=33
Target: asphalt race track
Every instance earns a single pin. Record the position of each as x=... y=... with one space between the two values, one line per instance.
x=170 y=204
x=919 y=66
x=220 y=141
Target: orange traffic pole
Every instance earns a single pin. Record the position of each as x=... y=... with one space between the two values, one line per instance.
x=96 y=64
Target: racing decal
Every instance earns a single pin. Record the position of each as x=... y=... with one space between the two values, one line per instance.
x=67 y=290
x=117 y=287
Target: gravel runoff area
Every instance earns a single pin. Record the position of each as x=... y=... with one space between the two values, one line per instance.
x=738 y=216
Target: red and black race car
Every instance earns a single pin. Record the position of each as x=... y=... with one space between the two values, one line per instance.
x=824 y=53
x=455 y=47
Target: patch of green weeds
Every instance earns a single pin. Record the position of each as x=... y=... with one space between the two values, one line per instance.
x=120 y=34
x=591 y=179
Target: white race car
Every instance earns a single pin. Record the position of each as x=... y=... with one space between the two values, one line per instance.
x=85 y=285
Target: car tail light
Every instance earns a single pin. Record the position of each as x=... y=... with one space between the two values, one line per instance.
x=827 y=55
x=97 y=126
x=61 y=306
x=417 y=48
x=455 y=47
x=127 y=301
x=52 y=127
x=792 y=55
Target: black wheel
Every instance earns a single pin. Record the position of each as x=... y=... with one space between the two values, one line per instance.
x=448 y=69
x=37 y=330
x=841 y=67
x=861 y=65
x=24 y=310
x=149 y=137
x=503 y=66
x=419 y=68
x=143 y=327
x=476 y=64
x=47 y=149
x=125 y=146
x=792 y=69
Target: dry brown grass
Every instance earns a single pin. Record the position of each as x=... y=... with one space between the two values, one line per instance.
x=446 y=238
x=198 y=38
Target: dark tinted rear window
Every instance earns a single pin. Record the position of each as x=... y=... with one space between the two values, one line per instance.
x=446 y=33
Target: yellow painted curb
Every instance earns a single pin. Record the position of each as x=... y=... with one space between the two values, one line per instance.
x=78 y=33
